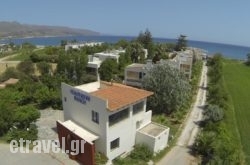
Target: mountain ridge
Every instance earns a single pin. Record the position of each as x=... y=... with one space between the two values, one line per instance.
x=16 y=29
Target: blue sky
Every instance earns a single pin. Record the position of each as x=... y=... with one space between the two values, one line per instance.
x=224 y=21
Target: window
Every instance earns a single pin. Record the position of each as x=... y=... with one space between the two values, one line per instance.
x=140 y=75
x=95 y=117
x=117 y=117
x=132 y=75
x=138 y=107
x=114 y=144
x=65 y=99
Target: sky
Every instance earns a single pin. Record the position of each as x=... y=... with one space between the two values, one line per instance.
x=222 y=21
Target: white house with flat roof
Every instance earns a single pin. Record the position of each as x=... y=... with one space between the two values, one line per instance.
x=94 y=61
x=113 y=116
x=80 y=45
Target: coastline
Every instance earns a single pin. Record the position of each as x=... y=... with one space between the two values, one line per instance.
x=227 y=50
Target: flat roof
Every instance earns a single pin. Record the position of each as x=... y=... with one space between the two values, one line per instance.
x=153 y=129
x=119 y=95
x=136 y=65
x=80 y=131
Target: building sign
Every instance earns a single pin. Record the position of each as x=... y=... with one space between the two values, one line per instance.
x=79 y=97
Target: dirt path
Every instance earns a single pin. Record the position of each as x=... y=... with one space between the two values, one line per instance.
x=179 y=154
x=7 y=57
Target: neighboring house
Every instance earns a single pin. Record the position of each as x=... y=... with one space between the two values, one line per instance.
x=135 y=72
x=111 y=118
x=80 y=45
x=182 y=61
x=95 y=61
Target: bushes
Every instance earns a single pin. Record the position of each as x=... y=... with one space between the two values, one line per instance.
x=108 y=69
x=139 y=156
x=215 y=143
x=171 y=90
x=213 y=113
x=100 y=159
x=43 y=58
x=25 y=134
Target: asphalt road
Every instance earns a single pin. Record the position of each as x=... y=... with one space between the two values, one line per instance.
x=180 y=153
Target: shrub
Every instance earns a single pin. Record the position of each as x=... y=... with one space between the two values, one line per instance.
x=100 y=159
x=139 y=156
x=213 y=113
x=141 y=152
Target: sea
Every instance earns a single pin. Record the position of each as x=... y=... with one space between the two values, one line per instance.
x=228 y=51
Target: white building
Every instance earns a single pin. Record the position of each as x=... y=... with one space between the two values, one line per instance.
x=134 y=73
x=95 y=61
x=113 y=117
x=80 y=45
x=184 y=61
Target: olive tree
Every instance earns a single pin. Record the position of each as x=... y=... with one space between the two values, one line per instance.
x=213 y=113
x=170 y=87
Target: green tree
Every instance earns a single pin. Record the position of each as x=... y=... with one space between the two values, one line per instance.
x=108 y=69
x=72 y=66
x=146 y=40
x=26 y=67
x=248 y=59
x=204 y=143
x=181 y=43
x=63 y=43
x=136 y=52
x=6 y=118
x=122 y=44
x=11 y=72
x=25 y=115
x=44 y=67
x=171 y=89
x=28 y=46
x=124 y=60
x=213 y=113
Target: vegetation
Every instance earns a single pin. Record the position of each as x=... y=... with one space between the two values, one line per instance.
x=139 y=156
x=146 y=40
x=16 y=121
x=19 y=103
x=237 y=81
x=216 y=143
x=136 y=52
x=44 y=68
x=100 y=159
x=181 y=43
x=108 y=69
x=248 y=59
x=41 y=91
x=170 y=87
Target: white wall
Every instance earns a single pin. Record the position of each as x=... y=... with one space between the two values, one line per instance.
x=81 y=114
x=126 y=131
x=147 y=140
x=161 y=141
x=155 y=144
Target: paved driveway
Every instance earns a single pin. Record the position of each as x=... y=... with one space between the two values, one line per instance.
x=8 y=158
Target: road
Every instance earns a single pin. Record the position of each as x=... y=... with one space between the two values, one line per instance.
x=179 y=154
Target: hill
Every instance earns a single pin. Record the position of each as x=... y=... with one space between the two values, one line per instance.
x=16 y=29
